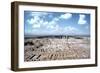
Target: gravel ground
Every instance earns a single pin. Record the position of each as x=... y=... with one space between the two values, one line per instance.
x=43 y=49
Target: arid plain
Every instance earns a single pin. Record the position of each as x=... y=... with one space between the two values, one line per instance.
x=56 y=48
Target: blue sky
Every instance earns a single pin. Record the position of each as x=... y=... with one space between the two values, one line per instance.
x=56 y=23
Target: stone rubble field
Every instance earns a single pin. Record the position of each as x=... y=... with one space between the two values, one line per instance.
x=46 y=49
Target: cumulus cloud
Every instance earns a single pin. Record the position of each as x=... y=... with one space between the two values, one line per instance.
x=36 y=26
x=66 y=16
x=51 y=26
x=33 y=20
x=37 y=19
x=82 y=20
x=44 y=23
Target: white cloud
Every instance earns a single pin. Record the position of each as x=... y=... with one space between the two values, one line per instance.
x=56 y=19
x=41 y=21
x=33 y=20
x=38 y=21
x=30 y=21
x=66 y=16
x=52 y=22
x=51 y=26
x=38 y=13
x=36 y=26
x=70 y=30
x=82 y=20
x=45 y=23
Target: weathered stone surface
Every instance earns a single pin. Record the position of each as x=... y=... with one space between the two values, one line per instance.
x=45 y=49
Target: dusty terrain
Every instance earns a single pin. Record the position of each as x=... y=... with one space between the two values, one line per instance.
x=43 y=49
